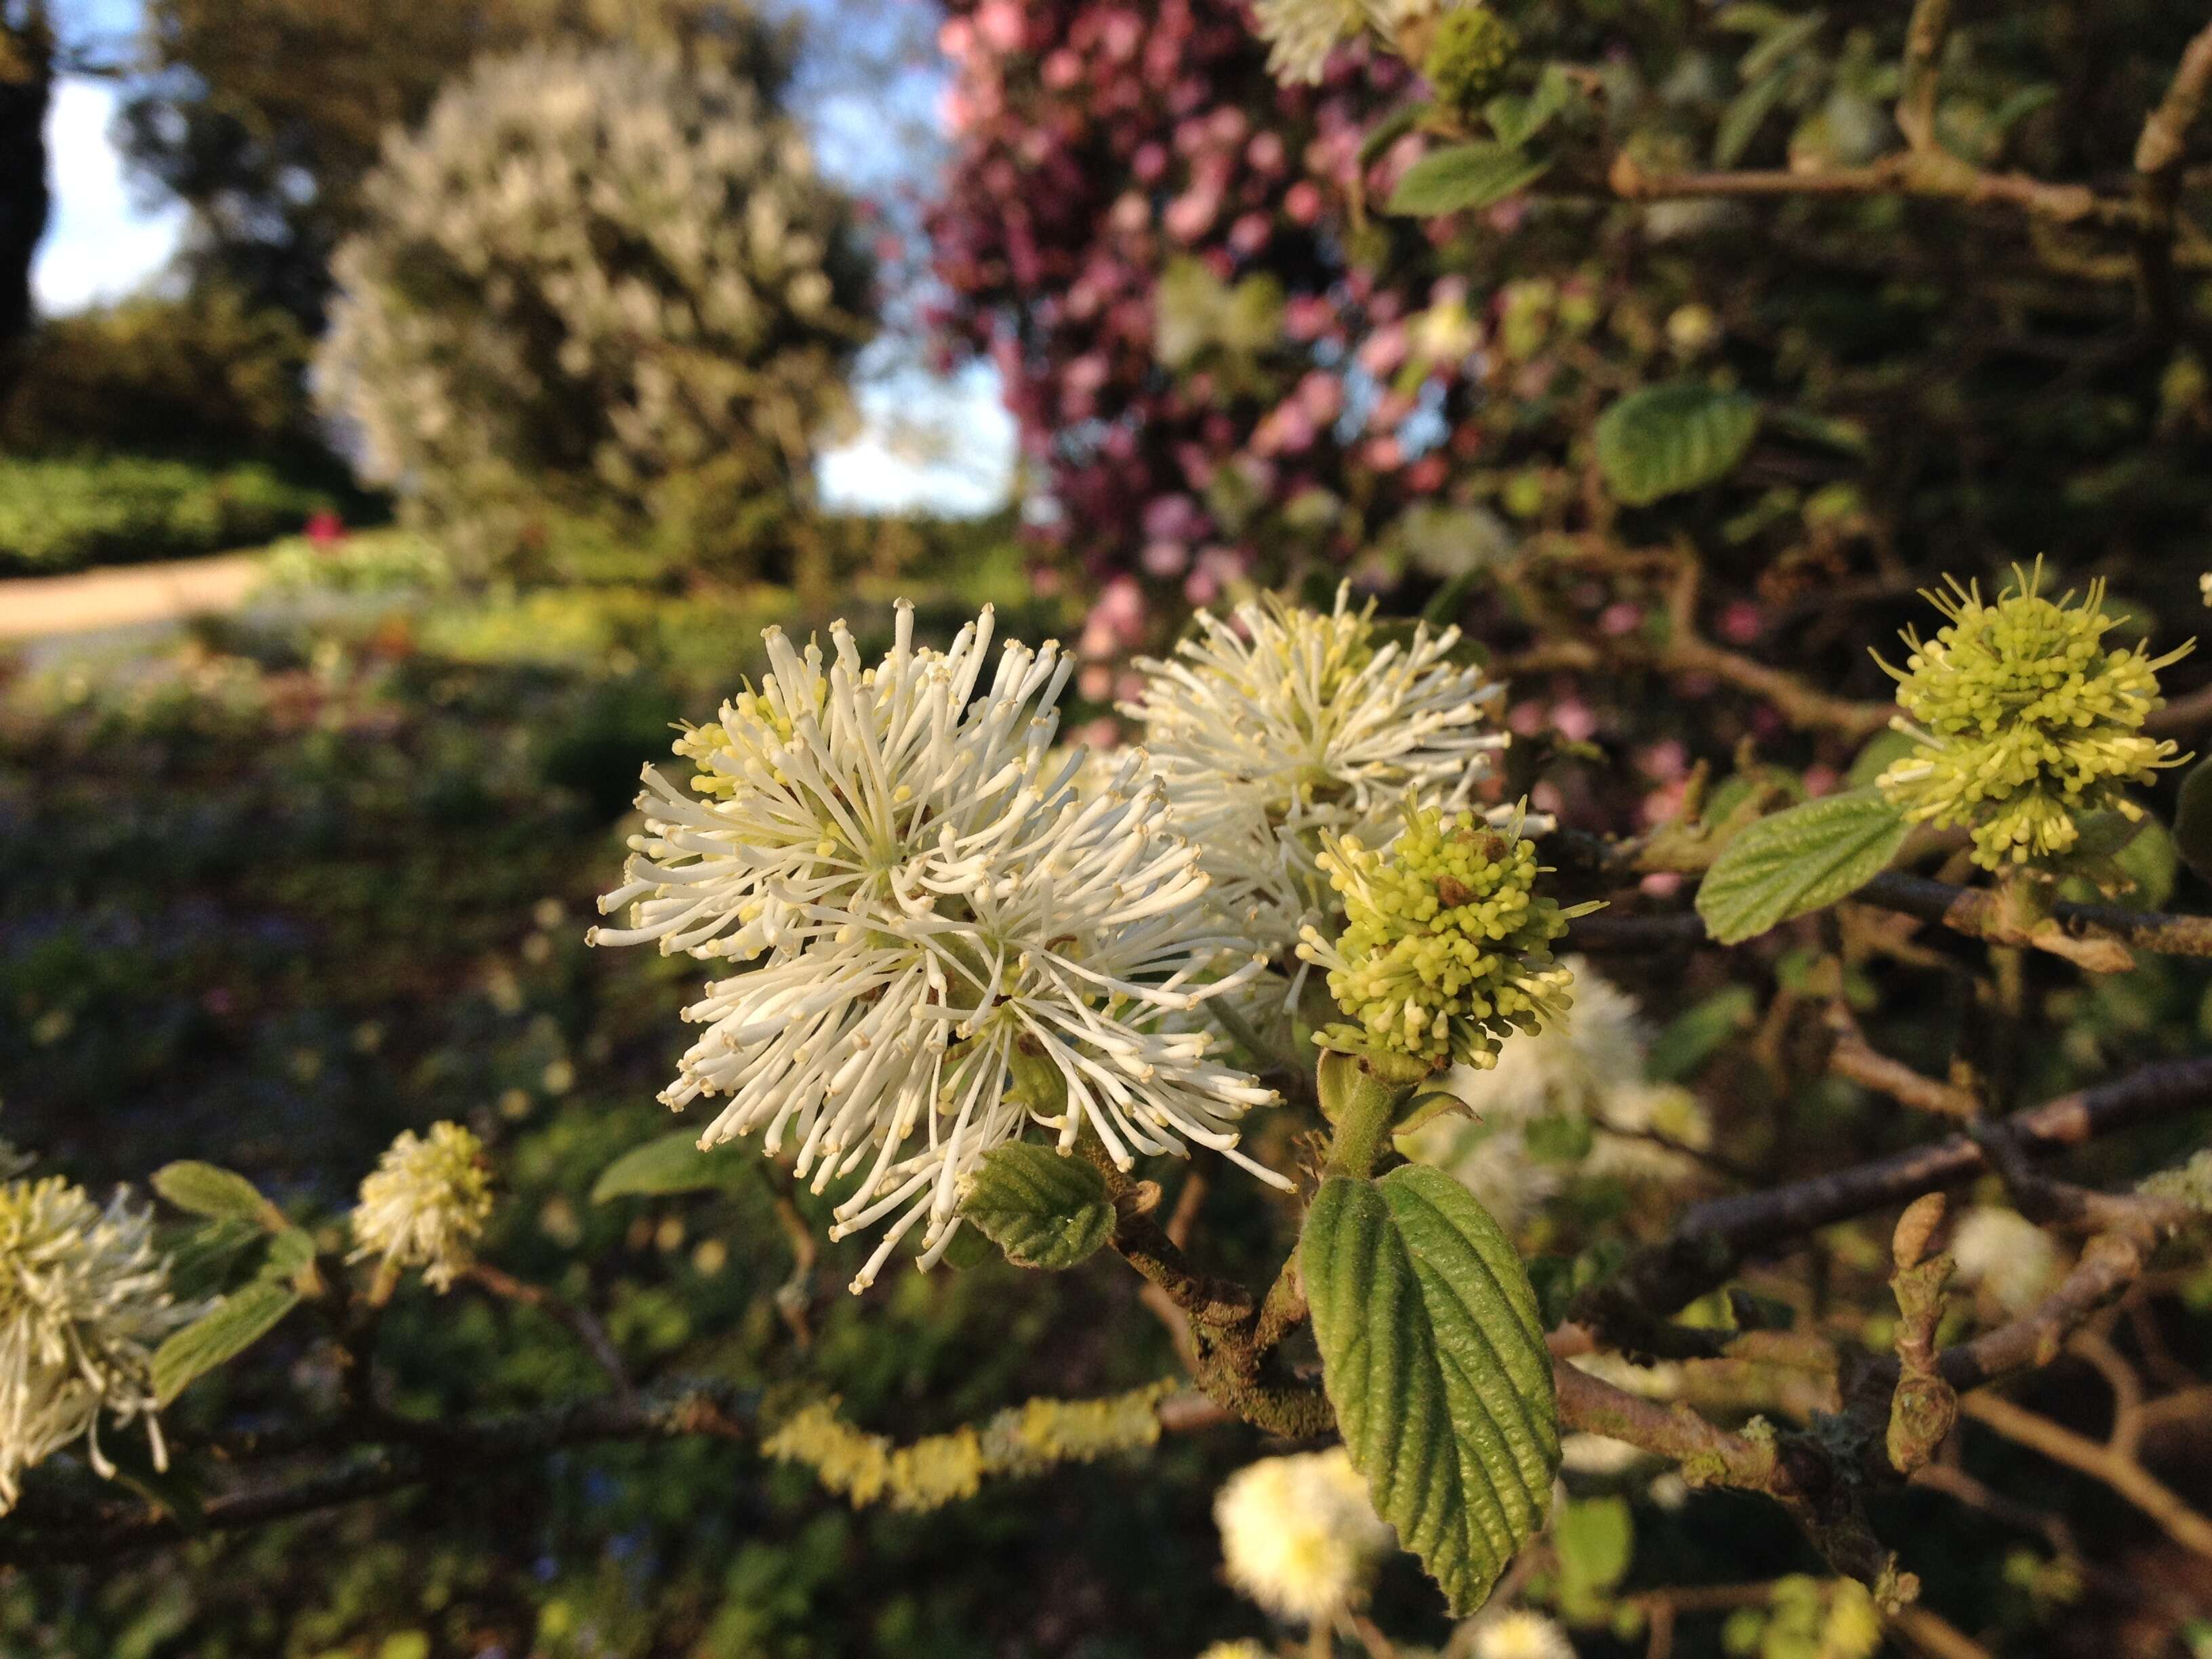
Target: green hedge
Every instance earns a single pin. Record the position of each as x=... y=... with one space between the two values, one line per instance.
x=58 y=514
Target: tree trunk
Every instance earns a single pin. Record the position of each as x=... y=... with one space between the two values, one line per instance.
x=26 y=80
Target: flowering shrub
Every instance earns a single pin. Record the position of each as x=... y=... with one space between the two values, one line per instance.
x=981 y=1000
x=1524 y=1275
x=1105 y=152
x=600 y=283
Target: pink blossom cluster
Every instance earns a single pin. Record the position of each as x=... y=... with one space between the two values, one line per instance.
x=1095 y=142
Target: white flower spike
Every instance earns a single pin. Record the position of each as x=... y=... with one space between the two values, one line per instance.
x=425 y=1204
x=84 y=1301
x=1279 y=726
x=1299 y=1536
x=952 y=941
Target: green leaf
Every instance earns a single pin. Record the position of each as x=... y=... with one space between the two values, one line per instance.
x=290 y=1254
x=1187 y=304
x=1390 y=129
x=238 y=1322
x=1799 y=860
x=203 y=1253
x=2150 y=860
x=1251 y=320
x=1883 y=751
x=1747 y=111
x=1042 y=1209
x=209 y=1190
x=673 y=1164
x=1780 y=36
x=1432 y=1352
x=1666 y=439
x=1515 y=119
x=2192 y=819
x=1596 y=1539
x=1465 y=176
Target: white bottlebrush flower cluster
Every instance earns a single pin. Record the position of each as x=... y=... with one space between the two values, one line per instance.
x=425 y=1204
x=1299 y=1536
x=2005 y=1255
x=593 y=278
x=1278 y=727
x=1521 y=1634
x=84 y=1302
x=1302 y=34
x=947 y=940
x=1589 y=1066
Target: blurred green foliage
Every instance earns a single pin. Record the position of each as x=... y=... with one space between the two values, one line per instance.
x=203 y=373
x=63 y=514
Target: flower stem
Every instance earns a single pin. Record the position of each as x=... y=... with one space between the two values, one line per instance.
x=1361 y=1095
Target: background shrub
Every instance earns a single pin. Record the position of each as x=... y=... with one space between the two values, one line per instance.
x=203 y=373
x=598 y=284
x=60 y=515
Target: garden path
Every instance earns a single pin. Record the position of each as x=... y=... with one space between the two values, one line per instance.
x=36 y=607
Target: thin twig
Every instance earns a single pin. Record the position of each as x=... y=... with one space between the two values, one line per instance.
x=1853 y=1057
x=1935 y=174
x=2184 y=1525
x=1711 y=1239
x=1924 y=45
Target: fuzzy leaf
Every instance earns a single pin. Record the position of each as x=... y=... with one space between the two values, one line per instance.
x=1465 y=176
x=1883 y=751
x=1799 y=860
x=290 y=1253
x=1390 y=129
x=671 y=1163
x=2192 y=819
x=1666 y=439
x=1042 y=1209
x=1432 y=1353
x=211 y=1190
x=237 y=1322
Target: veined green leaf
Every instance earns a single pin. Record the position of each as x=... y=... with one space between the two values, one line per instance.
x=235 y=1324
x=1044 y=1210
x=1465 y=176
x=1799 y=860
x=1666 y=439
x=672 y=1164
x=1432 y=1353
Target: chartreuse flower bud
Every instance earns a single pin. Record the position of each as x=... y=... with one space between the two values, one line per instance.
x=1446 y=950
x=1468 y=56
x=2026 y=719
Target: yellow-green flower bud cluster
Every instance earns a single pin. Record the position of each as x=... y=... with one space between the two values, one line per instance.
x=1446 y=950
x=2026 y=719
x=1469 y=55
x=943 y=1468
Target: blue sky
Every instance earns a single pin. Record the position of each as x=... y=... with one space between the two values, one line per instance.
x=104 y=240
x=101 y=243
